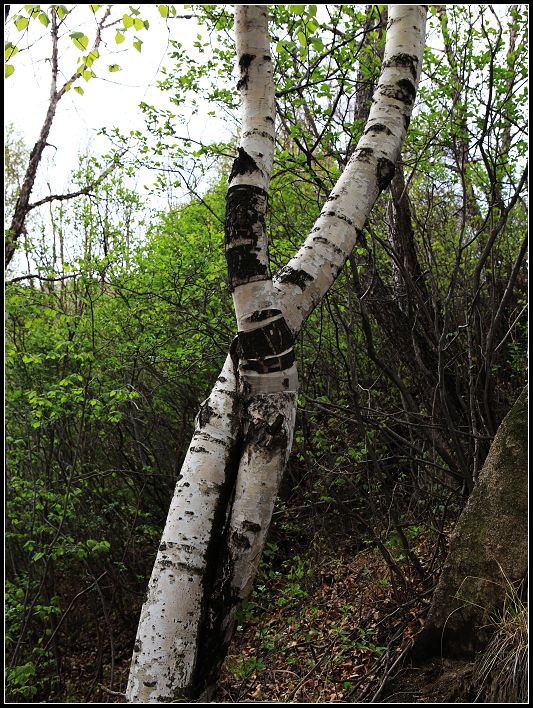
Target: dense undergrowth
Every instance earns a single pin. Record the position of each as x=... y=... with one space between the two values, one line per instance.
x=406 y=369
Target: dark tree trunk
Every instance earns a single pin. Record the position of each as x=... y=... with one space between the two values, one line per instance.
x=488 y=549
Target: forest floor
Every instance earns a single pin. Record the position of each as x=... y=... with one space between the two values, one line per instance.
x=330 y=624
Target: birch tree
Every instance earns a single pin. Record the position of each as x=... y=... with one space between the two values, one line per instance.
x=223 y=501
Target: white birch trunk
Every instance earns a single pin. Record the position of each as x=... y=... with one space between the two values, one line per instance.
x=170 y=658
x=165 y=651
x=267 y=371
x=303 y=282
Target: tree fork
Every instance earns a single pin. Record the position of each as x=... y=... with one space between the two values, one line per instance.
x=176 y=630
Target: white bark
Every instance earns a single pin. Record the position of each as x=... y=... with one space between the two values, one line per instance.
x=255 y=301
x=266 y=343
x=166 y=645
x=309 y=274
x=177 y=610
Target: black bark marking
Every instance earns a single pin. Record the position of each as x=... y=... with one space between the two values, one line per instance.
x=269 y=119
x=206 y=413
x=327 y=242
x=337 y=215
x=244 y=65
x=242 y=165
x=378 y=128
x=240 y=540
x=385 y=173
x=270 y=365
x=270 y=437
x=245 y=221
x=408 y=60
x=287 y=274
x=276 y=425
x=260 y=315
x=245 y=61
x=409 y=88
x=272 y=339
x=195 y=448
x=406 y=121
x=262 y=133
x=364 y=154
x=244 y=266
x=251 y=526
x=403 y=91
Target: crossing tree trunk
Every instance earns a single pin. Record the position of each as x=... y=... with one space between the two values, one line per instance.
x=224 y=498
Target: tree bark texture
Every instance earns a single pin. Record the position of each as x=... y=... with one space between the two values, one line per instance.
x=223 y=502
x=488 y=549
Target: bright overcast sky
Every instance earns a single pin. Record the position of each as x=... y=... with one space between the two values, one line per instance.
x=111 y=100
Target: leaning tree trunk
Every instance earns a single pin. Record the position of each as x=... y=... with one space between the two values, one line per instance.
x=488 y=549
x=223 y=502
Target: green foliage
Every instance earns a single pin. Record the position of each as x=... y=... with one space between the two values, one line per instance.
x=106 y=365
x=120 y=353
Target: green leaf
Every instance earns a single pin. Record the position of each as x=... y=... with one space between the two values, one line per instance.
x=138 y=44
x=32 y=10
x=80 y=40
x=38 y=556
x=9 y=50
x=62 y=12
x=138 y=23
x=297 y=9
x=9 y=69
x=21 y=23
x=43 y=19
x=95 y=8
x=302 y=39
x=119 y=38
x=88 y=75
x=113 y=67
x=127 y=20
x=163 y=10
x=79 y=90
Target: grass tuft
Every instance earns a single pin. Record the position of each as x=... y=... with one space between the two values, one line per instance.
x=500 y=673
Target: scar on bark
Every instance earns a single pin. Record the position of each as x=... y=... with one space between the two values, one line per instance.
x=378 y=128
x=206 y=413
x=364 y=154
x=403 y=90
x=385 y=172
x=243 y=164
x=244 y=266
x=287 y=274
x=408 y=60
x=244 y=64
